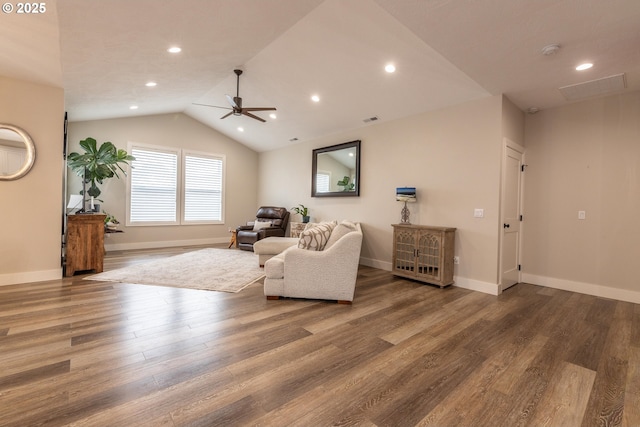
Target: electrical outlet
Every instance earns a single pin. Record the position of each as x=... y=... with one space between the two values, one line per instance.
x=582 y=215
x=478 y=213
x=456 y=260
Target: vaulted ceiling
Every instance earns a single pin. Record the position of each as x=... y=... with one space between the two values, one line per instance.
x=445 y=52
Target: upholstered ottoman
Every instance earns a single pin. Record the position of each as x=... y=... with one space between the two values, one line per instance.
x=271 y=246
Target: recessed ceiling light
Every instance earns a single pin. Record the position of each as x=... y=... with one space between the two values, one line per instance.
x=315 y=98
x=133 y=107
x=174 y=49
x=240 y=129
x=151 y=84
x=584 y=66
x=390 y=68
x=273 y=116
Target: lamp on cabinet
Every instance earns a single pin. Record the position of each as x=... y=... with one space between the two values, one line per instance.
x=406 y=195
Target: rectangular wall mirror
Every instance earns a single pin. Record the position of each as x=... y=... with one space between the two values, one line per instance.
x=335 y=170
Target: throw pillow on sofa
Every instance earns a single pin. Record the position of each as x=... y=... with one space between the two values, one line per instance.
x=341 y=229
x=315 y=238
x=259 y=225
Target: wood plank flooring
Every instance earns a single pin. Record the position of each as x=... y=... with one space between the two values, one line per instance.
x=84 y=353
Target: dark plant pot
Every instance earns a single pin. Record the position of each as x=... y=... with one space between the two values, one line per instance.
x=305 y=219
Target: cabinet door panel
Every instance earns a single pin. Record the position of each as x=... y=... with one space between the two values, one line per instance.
x=429 y=246
x=404 y=252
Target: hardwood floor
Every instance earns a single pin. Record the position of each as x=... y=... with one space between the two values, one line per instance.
x=85 y=353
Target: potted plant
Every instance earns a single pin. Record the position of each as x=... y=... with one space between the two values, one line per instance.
x=110 y=221
x=303 y=211
x=346 y=186
x=97 y=164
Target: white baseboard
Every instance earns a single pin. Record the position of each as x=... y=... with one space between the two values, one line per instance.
x=164 y=244
x=477 y=285
x=30 y=276
x=461 y=282
x=375 y=263
x=583 y=288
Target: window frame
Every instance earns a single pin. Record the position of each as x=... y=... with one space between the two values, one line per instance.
x=181 y=155
x=202 y=154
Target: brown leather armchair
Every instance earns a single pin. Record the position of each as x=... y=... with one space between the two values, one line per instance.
x=246 y=235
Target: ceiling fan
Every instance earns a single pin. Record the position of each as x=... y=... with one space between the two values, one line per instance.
x=236 y=104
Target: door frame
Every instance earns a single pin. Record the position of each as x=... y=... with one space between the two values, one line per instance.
x=507 y=143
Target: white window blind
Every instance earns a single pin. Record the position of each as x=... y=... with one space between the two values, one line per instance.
x=170 y=186
x=154 y=186
x=322 y=182
x=202 y=188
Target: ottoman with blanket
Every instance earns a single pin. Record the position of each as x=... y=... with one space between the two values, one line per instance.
x=271 y=246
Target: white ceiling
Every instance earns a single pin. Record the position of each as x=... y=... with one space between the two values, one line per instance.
x=446 y=52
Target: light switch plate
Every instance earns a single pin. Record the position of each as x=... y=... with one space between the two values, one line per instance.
x=582 y=215
x=478 y=213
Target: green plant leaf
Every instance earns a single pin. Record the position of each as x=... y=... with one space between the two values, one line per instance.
x=98 y=163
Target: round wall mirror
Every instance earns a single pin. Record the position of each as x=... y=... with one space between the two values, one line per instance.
x=17 y=152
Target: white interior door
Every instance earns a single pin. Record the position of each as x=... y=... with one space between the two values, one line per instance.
x=511 y=223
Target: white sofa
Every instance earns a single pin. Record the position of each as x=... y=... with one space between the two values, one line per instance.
x=329 y=273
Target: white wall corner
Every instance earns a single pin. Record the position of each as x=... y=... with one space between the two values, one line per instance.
x=583 y=288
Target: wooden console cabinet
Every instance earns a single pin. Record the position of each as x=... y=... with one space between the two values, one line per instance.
x=424 y=253
x=85 y=243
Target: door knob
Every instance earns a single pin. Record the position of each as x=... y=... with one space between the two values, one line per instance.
x=505 y=225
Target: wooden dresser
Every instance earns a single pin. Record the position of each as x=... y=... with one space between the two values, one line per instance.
x=424 y=253
x=85 y=243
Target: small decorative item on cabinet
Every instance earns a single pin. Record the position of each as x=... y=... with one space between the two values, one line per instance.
x=424 y=253
x=296 y=228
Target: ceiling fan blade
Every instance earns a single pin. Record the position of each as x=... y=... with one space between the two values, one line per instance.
x=227 y=115
x=231 y=101
x=259 y=109
x=214 y=106
x=253 y=116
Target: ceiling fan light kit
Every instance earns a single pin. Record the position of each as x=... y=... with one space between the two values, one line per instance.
x=236 y=104
x=550 y=49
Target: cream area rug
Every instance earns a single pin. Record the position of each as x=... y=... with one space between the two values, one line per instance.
x=225 y=270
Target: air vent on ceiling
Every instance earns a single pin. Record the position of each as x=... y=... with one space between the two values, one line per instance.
x=370 y=119
x=599 y=87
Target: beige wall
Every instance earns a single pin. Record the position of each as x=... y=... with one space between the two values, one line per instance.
x=171 y=130
x=584 y=156
x=512 y=122
x=31 y=211
x=453 y=158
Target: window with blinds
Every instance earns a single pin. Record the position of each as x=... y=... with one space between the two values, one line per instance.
x=323 y=182
x=171 y=186
x=153 y=187
x=202 y=188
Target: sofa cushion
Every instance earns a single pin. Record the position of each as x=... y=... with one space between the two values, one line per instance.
x=339 y=231
x=315 y=238
x=274 y=267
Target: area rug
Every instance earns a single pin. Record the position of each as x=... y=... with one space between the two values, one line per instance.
x=225 y=270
